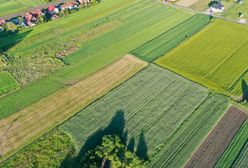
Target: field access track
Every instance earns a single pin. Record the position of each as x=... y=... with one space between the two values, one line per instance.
x=210 y=151
x=22 y=127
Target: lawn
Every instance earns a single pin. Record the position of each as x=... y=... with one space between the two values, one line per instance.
x=10 y=7
x=24 y=126
x=234 y=11
x=215 y=57
x=101 y=50
x=7 y=83
x=165 y=42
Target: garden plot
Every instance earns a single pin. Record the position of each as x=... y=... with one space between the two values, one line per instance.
x=32 y=121
x=216 y=57
x=210 y=151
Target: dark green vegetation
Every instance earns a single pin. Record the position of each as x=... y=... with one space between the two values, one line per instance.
x=48 y=151
x=112 y=152
x=136 y=23
x=165 y=42
x=236 y=154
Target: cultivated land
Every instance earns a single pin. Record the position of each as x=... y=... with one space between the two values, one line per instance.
x=148 y=105
x=165 y=42
x=216 y=57
x=242 y=158
x=30 y=122
x=218 y=140
x=236 y=150
x=137 y=23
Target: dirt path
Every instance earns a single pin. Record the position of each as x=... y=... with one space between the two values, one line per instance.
x=210 y=151
x=186 y=3
x=26 y=125
x=6 y=17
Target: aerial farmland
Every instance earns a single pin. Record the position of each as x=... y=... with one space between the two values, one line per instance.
x=123 y=84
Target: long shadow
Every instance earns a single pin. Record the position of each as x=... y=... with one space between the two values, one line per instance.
x=7 y=41
x=142 y=149
x=115 y=127
x=244 y=90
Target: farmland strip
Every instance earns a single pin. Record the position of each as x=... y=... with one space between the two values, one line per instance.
x=218 y=140
x=19 y=128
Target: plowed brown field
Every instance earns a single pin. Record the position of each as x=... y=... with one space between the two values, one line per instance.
x=29 y=123
x=218 y=140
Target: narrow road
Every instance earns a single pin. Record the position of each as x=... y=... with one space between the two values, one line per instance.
x=6 y=17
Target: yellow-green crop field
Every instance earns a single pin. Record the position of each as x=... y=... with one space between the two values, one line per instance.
x=216 y=57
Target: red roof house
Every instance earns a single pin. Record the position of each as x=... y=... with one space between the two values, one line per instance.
x=51 y=8
x=37 y=13
x=2 y=22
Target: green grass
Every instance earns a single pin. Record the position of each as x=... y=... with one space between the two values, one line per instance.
x=243 y=158
x=10 y=7
x=235 y=9
x=216 y=57
x=155 y=102
x=100 y=51
x=179 y=148
x=7 y=83
x=234 y=155
x=48 y=151
x=170 y=39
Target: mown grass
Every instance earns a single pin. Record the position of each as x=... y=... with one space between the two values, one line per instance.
x=165 y=42
x=154 y=103
x=48 y=151
x=138 y=27
x=7 y=83
x=235 y=153
x=215 y=57
x=9 y=7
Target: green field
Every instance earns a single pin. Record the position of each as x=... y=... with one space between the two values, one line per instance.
x=170 y=39
x=216 y=57
x=236 y=154
x=235 y=9
x=9 y=7
x=100 y=51
x=166 y=110
x=7 y=83
x=49 y=151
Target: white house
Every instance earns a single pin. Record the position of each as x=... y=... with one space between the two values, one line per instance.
x=216 y=6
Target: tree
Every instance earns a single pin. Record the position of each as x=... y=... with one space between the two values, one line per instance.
x=111 y=153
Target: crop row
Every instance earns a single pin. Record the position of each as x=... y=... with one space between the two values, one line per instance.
x=165 y=42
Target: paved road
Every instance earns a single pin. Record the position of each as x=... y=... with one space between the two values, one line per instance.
x=32 y=8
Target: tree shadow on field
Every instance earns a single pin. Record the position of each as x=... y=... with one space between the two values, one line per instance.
x=115 y=127
x=10 y=40
x=244 y=90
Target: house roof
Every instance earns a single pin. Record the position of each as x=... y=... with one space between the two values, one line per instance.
x=28 y=16
x=216 y=5
x=51 y=8
x=2 y=21
x=37 y=13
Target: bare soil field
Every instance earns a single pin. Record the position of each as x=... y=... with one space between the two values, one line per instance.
x=186 y=3
x=218 y=140
x=26 y=125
